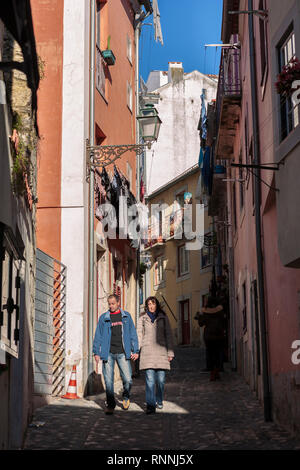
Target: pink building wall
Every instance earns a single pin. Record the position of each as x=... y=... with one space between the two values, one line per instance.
x=282 y=284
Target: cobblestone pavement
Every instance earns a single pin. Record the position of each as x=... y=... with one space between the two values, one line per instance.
x=197 y=414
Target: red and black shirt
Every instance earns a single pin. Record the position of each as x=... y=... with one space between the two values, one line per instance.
x=116 y=343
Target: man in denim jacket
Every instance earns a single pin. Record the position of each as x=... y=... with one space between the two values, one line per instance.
x=116 y=340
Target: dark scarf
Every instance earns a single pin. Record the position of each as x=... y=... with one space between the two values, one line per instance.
x=152 y=316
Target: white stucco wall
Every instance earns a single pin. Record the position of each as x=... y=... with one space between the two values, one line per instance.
x=73 y=182
x=178 y=145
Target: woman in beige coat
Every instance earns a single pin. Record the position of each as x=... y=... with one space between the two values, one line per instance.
x=156 y=351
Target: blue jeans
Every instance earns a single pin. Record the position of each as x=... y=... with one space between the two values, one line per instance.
x=155 y=382
x=108 y=368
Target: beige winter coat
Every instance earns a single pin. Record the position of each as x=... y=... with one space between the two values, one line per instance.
x=155 y=341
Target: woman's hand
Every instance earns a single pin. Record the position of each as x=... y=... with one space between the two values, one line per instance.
x=170 y=358
x=97 y=358
x=134 y=357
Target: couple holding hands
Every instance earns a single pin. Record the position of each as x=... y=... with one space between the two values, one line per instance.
x=117 y=340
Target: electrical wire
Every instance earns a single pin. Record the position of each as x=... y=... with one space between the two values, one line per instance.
x=263 y=181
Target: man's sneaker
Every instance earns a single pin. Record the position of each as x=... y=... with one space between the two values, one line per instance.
x=159 y=406
x=109 y=411
x=126 y=403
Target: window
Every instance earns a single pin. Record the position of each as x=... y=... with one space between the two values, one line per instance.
x=183 y=261
x=9 y=297
x=157 y=222
x=129 y=96
x=289 y=114
x=206 y=253
x=158 y=270
x=178 y=215
x=160 y=224
x=100 y=73
x=263 y=43
x=129 y=49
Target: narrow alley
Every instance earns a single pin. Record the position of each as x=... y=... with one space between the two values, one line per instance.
x=149 y=199
x=197 y=414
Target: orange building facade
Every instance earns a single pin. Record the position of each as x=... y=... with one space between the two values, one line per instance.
x=49 y=40
x=62 y=31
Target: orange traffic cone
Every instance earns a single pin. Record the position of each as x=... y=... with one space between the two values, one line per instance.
x=72 y=388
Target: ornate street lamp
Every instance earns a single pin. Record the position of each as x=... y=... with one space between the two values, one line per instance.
x=103 y=155
x=149 y=123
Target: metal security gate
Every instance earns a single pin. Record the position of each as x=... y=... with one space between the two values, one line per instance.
x=49 y=329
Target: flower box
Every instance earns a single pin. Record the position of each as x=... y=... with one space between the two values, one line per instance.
x=289 y=73
x=109 y=57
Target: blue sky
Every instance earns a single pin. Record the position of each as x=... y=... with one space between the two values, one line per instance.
x=186 y=26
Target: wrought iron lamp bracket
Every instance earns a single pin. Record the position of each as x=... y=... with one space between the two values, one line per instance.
x=103 y=155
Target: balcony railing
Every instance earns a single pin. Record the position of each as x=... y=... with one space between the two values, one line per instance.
x=171 y=226
x=229 y=85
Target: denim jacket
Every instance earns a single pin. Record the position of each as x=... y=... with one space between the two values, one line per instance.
x=101 y=345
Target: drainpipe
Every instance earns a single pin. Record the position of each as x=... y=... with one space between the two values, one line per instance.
x=138 y=24
x=137 y=141
x=257 y=198
x=91 y=186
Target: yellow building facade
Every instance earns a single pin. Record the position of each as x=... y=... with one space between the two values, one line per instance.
x=178 y=277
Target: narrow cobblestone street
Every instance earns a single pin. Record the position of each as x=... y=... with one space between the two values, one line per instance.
x=197 y=414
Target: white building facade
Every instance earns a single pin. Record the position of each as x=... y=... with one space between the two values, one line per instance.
x=179 y=107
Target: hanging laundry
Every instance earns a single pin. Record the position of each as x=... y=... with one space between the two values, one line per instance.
x=156 y=23
x=201 y=155
x=116 y=187
x=99 y=189
x=206 y=170
x=105 y=182
x=142 y=190
x=203 y=121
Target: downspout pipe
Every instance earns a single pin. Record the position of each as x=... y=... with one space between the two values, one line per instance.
x=137 y=32
x=137 y=141
x=258 y=230
x=91 y=187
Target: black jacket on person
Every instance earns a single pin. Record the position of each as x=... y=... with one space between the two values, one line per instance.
x=213 y=320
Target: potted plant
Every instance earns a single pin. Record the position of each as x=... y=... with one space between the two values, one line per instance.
x=108 y=54
x=289 y=73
